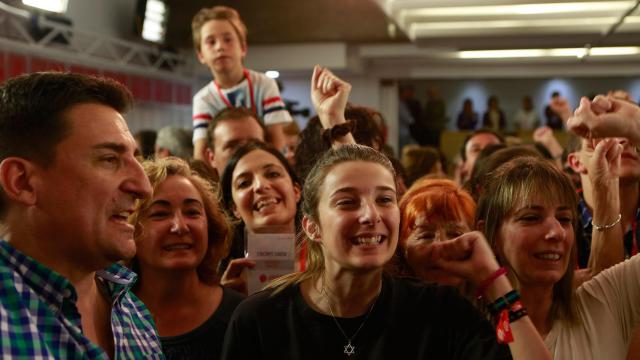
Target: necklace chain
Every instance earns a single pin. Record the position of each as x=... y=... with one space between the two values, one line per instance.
x=349 y=349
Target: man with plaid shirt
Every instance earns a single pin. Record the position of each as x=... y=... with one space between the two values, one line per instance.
x=69 y=180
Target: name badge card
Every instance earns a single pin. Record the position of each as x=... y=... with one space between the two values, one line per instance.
x=274 y=255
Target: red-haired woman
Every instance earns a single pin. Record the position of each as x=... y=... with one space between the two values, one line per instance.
x=432 y=210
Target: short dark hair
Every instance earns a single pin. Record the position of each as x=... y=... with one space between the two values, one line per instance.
x=232 y=113
x=478 y=132
x=32 y=108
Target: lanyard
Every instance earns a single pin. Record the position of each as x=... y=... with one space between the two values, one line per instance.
x=226 y=101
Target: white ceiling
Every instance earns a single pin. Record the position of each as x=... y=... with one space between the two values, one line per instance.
x=439 y=29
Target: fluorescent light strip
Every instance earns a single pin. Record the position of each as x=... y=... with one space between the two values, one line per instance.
x=464 y=25
x=58 y=6
x=562 y=52
x=524 y=9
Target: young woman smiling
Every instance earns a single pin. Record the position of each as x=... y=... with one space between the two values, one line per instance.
x=342 y=306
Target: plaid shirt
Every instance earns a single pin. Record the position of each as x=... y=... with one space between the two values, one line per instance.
x=584 y=239
x=39 y=318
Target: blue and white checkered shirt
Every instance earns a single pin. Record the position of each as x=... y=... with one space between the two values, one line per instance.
x=39 y=318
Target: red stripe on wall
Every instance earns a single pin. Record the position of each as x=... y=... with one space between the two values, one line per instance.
x=3 y=67
x=40 y=64
x=84 y=70
x=17 y=65
x=119 y=77
x=141 y=88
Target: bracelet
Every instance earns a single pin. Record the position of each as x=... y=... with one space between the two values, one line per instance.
x=607 y=226
x=488 y=281
x=517 y=315
x=503 y=302
x=506 y=317
x=338 y=131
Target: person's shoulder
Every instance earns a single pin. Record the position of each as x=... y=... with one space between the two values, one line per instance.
x=202 y=93
x=232 y=297
x=417 y=292
x=266 y=302
x=261 y=79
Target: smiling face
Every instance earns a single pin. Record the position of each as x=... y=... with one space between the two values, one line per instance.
x=220 y=47
x=263 y=192
x=86 y=195
x=358 y=217
x=536 y=239
x=424 y=234
x=174 y=227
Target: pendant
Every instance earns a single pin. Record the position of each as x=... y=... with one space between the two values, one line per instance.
x=349 y=349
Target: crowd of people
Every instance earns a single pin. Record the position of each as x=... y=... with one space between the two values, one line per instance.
x=109 y=253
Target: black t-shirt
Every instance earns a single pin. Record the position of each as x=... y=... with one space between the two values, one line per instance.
x=205 y=341
x=410 y=320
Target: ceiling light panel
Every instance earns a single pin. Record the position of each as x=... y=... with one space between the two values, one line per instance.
x=509 y=27
x=430 y=19
x=561 y=52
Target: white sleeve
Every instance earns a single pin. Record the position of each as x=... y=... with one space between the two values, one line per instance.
x=618 y=288
x=201 y=117
x=273 y=107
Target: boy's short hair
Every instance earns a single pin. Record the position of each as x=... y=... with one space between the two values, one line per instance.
x=217 y=13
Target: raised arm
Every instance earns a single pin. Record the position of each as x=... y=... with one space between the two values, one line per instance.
x=606 y=238
x=545 y=136
x=329 y=95
x=470 y=257
x=606 y=117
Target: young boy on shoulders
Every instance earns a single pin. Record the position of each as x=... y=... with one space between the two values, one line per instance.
x=220 y=39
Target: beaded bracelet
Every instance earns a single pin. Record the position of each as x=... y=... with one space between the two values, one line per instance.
x=607 y=226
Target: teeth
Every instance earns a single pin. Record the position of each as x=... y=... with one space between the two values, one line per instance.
x=124 y=214
x=266 y=202
x=369 y=240
x=549 y=256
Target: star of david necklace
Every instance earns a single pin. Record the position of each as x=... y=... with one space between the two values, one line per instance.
x=349 y=349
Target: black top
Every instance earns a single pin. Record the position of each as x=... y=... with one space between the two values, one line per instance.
x=205 y=341
x=410 y=320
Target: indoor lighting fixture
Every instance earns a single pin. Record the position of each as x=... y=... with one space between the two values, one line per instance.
x=155 y=19
x=561 y=52
x=272 y=74
x=507 y=24
x=57 y=6
x=522 y=9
